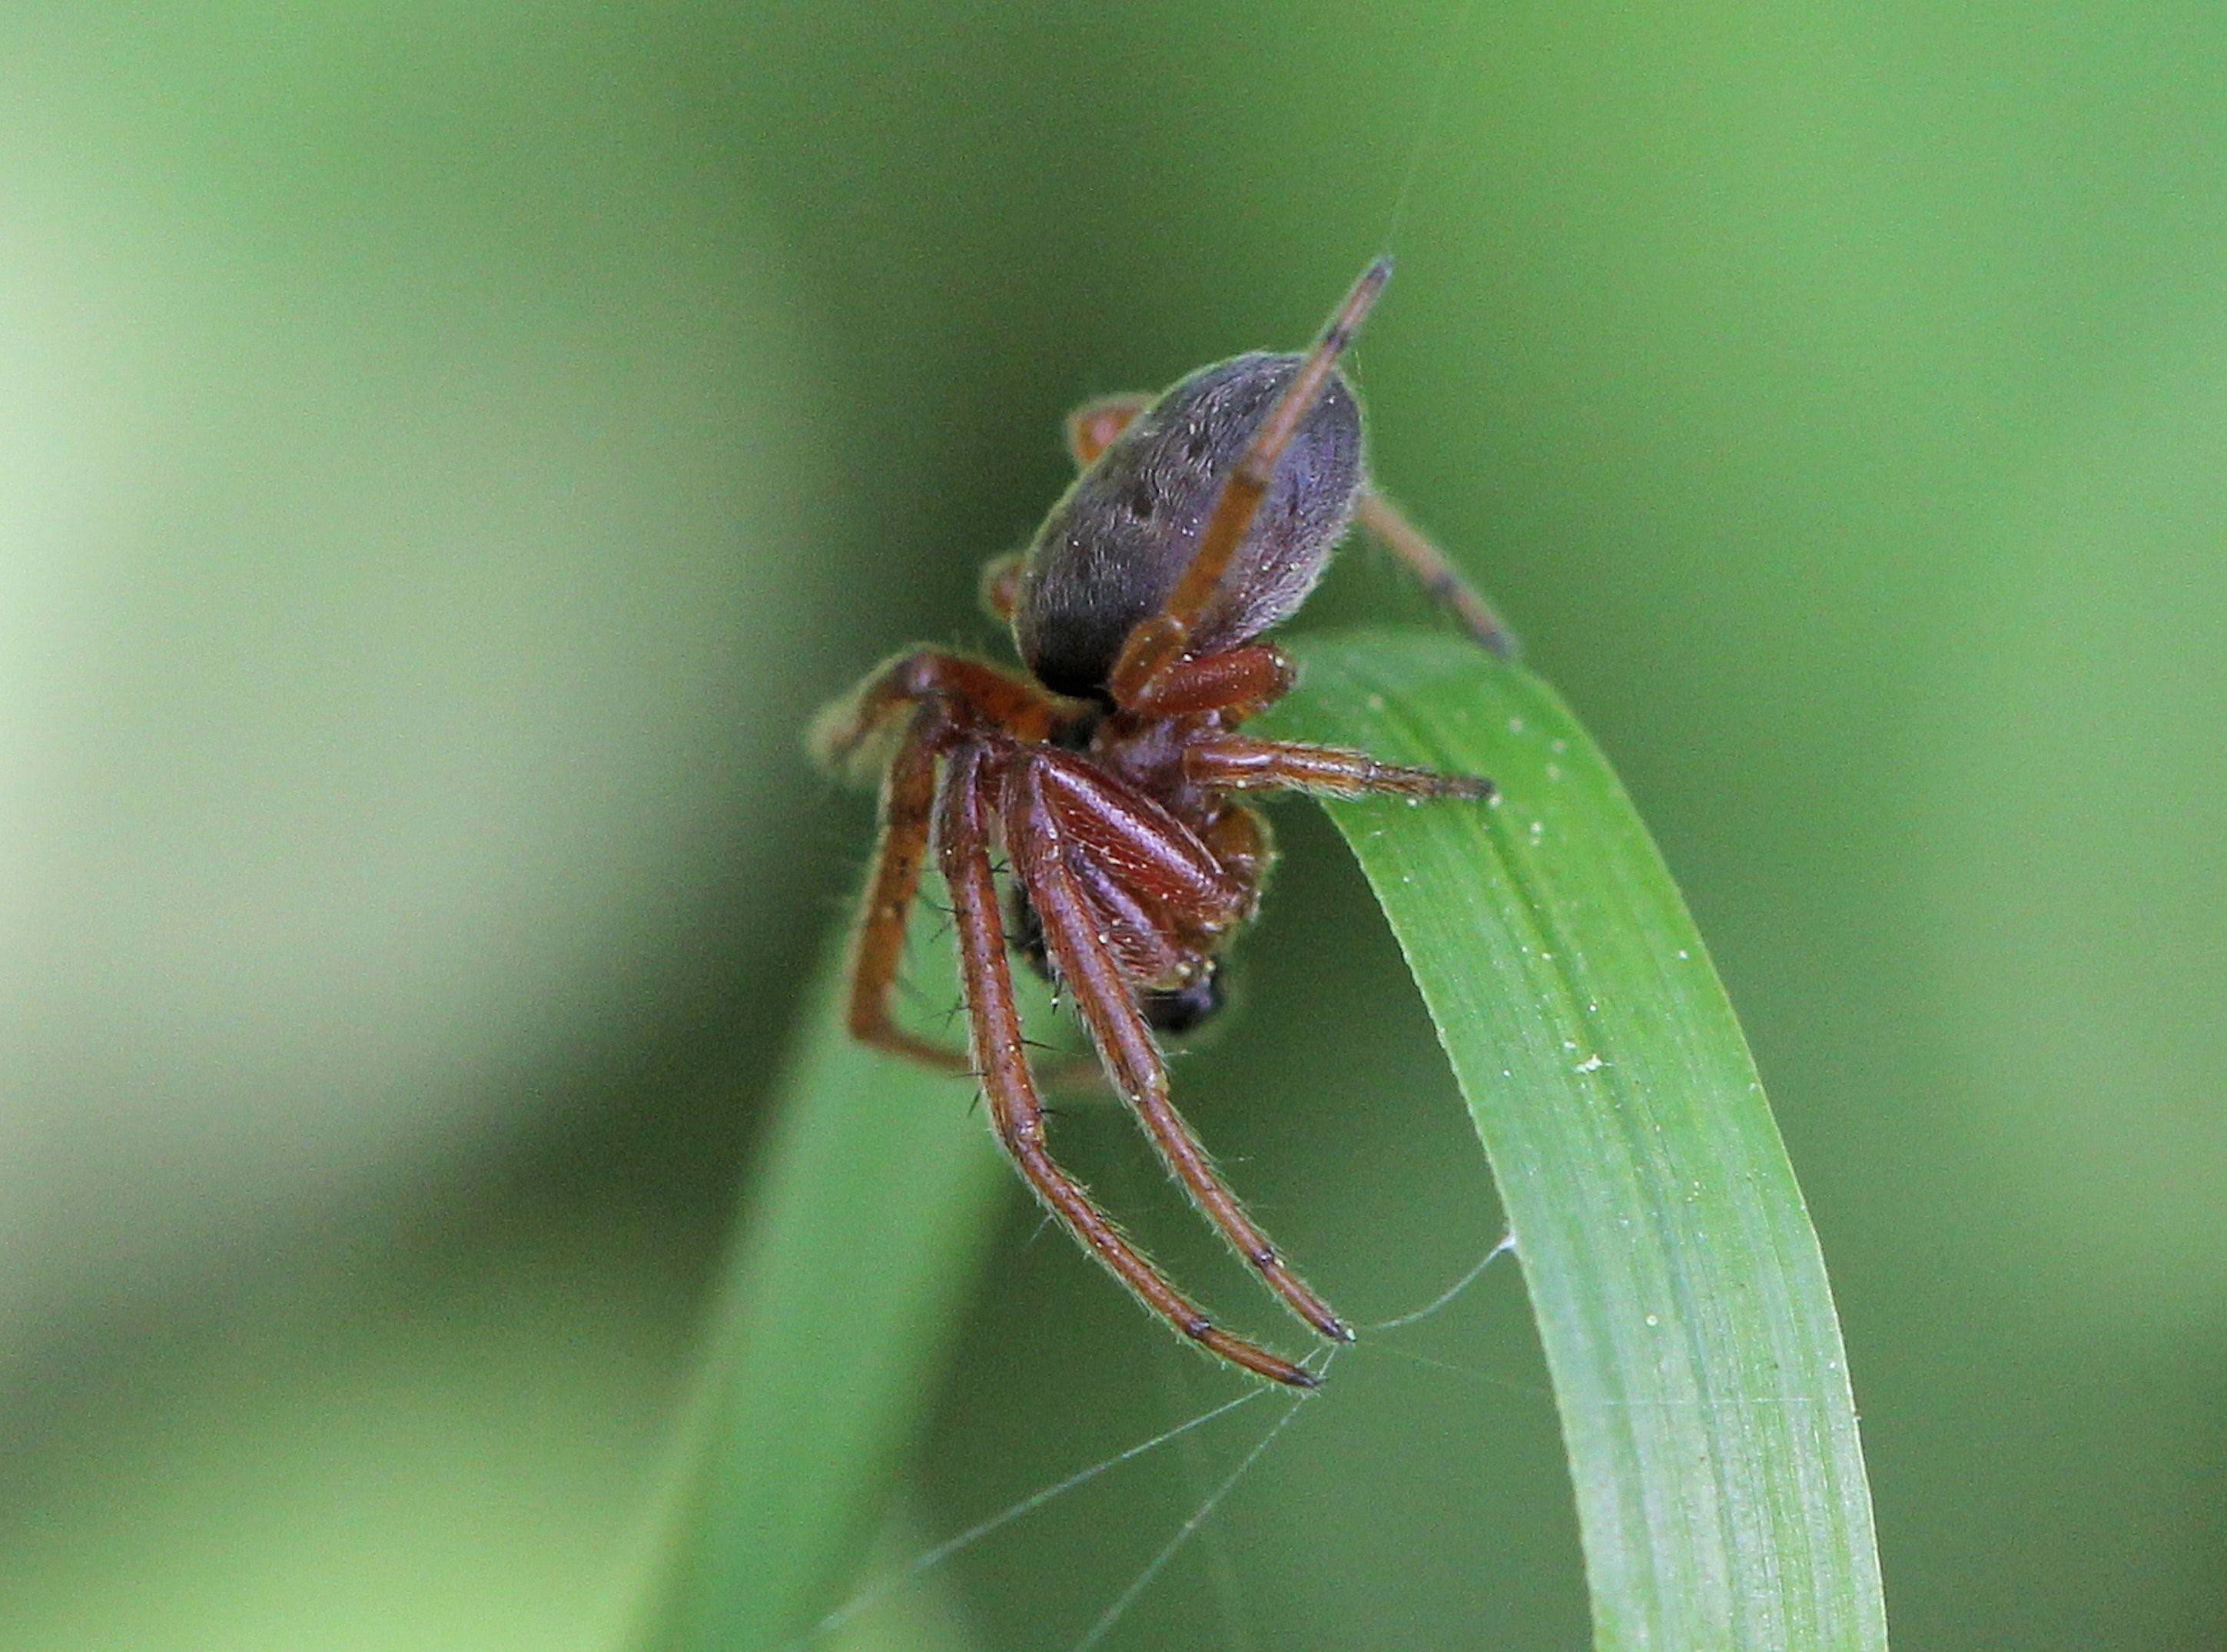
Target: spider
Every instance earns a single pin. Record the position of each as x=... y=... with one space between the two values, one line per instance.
x=1109 y=774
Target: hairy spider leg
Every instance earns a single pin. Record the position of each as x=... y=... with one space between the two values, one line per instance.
x=972 y=693
x=1015 y=1110
x=1128 y=832
x=1041 y=837
x=907 y=806
x=1238 y=682
x=1158 y=643
x=1434 y=572
x=937 y=693
x=1236 y=762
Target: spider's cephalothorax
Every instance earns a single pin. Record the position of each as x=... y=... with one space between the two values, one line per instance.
x=1110 y=773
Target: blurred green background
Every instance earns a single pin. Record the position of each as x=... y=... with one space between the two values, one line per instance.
x=446 y=451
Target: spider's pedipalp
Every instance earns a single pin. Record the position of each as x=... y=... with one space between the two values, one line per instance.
x=1138 y=842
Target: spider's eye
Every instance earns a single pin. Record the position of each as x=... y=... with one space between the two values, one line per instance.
x=1195 y=449
x=1140 y=503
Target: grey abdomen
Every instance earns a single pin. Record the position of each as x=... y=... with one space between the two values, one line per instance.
x=1114 y=546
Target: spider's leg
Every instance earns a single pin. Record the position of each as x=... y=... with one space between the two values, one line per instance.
x=1388 y=526
x=973 y=693
x=1158 y=643
x=898 y=719
x=1236 y=762
x=1015 y=1110
x=907 y=806
x=1125 y=831
x=1087 y=961
x=1238 y=682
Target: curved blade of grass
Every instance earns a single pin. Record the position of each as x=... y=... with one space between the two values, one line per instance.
x=1681 y=1301
x=1680 y=1296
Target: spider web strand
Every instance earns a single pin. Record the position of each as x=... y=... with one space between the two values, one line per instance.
x=934 y=1557
x=1506 y=1247
x=1128 y=1597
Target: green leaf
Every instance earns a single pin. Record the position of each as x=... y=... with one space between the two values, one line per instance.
x=1680 y=1296
x=1682 y=1300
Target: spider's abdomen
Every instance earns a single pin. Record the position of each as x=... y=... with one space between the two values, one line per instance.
x=1113 y=549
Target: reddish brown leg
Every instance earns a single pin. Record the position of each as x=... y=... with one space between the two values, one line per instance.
x=973 y=693
x=1158 y=643
x=1092 y=427
x=1238 y=682
x=936 y=694
x=1125 y=1040
x=1235 y=762
x=1160 y=859
x=1015 y=1110
x=1145 y=944
x=908 y=804
x=1386 y=523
